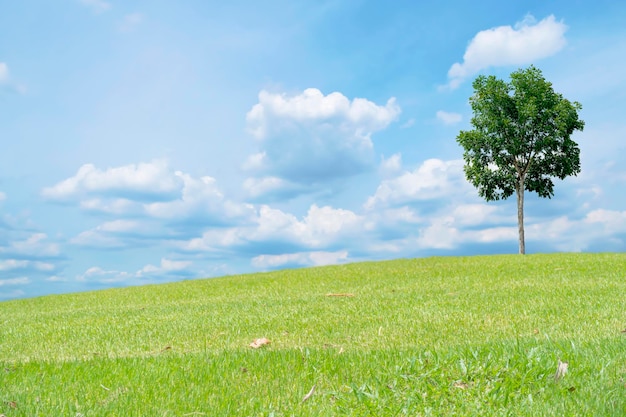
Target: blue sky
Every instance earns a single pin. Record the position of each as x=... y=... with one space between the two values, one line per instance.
x=153 y=141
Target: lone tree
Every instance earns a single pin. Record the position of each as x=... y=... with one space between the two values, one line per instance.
x=521 y=138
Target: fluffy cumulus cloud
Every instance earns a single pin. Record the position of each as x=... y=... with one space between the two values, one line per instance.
x=453 y=226
x=522 y=44
x=277 y=232
x=164 y=200
x=433 y=209
x=598 y=229
x=435 y=178
x=311 y=137
x=200 y=201
x=143 y=181
x=611 y=219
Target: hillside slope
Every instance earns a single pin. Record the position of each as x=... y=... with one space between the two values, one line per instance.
x=435 y=336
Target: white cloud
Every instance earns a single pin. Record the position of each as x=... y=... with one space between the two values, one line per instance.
x=594 y=191
x=440 y=234
x=523 y=44
x=144 y=180
x=453 y=227
x=408 y=123
x=320 y=228
x=493 y=234
x=613 y=221
x=94 y=239
x=148 y=274
x=14 y=281
x=130 y=22
x=3 y=196
x=318 y=258
x=359 y=116
x=400 y=214
x=310 y=137
x=113 y=234
x=97 y=6
x=323 y=221
x=255 y=162
x=37 y=244
x=112 y=206
x=94 y=270
x=13 y=264
x=119 y=226
x=433 y=179
x=438 y=210
x=474 y=214
x=449 y=118
x=391 y=165
x=9 y=264
x=149 y=189
x=56 y=278
x=200 y=201
x=44 y=266
x=167 y=266
x=201 y=193
x=264 y=186
x=97 y=274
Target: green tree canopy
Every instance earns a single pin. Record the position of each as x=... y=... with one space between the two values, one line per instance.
x=521 y=138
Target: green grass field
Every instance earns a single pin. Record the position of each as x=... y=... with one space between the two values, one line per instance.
x=436 y=336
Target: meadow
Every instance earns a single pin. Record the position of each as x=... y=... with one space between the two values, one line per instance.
x=442 y=336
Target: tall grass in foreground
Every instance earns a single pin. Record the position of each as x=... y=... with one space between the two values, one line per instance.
x=436 y=336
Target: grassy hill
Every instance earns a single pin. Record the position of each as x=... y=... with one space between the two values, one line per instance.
x=436 y=336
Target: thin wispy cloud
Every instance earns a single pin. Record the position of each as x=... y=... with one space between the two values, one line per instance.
x=130 y=22
x=449 y=118
x=4 y=73
x=96 y=6
x=7 y=84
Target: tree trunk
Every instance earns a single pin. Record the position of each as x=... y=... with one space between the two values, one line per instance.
x=520 y=215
